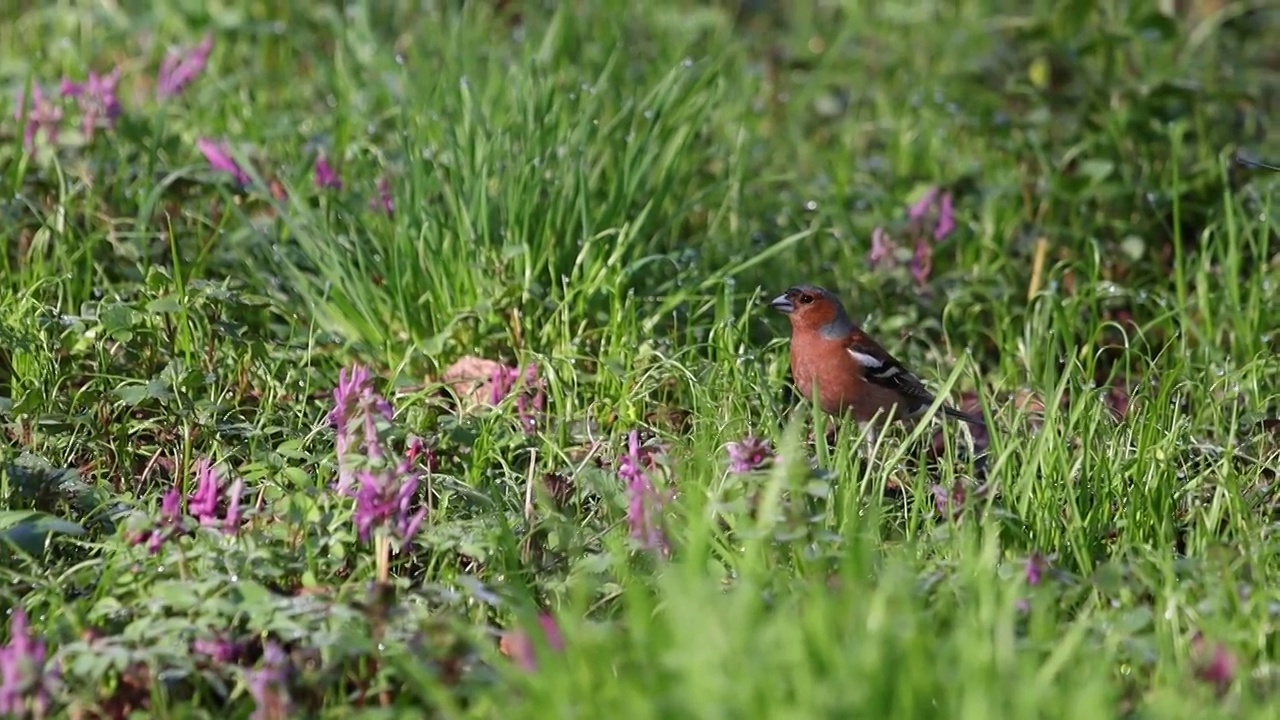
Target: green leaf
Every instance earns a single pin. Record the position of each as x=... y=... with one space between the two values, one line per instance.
x=30 y=531
x=166 y=304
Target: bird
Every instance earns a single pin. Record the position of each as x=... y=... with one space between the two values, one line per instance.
x=851 y=373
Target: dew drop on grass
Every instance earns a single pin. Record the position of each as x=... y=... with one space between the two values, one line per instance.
x=648 y=114
x=400 y=59
x=811 y=205
x=687 y=63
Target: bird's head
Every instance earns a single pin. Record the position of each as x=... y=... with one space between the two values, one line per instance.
x=810 y=307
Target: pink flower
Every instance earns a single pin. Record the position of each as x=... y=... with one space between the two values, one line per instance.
x=881 y=248
x=168 y=525
x=40 y=115
x=326 y=177
x=1216 y=665
x=1036 y=565
x=950 y=503
x=918 y=212
x=27 y=678
x=269 y=684
x=219 y=158
x=922 y=262
x=529 y=402
x=519 y=645
x=182 y=67
x=203 y=504
x=645 y=504
x=946 y=218
x=385 y=496
x=751 y=454
x=384 y=201
x=97 y=100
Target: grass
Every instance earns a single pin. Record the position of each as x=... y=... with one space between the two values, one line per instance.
x=609 y=192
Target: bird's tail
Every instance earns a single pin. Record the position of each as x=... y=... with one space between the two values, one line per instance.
x=963 y=416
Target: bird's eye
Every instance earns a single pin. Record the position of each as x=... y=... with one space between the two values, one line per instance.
x=806 y=299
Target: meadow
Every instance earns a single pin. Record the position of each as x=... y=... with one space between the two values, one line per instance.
x=411 y=358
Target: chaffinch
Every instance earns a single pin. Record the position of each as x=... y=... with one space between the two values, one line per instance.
x=851 y=373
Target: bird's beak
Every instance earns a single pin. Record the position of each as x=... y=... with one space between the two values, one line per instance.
x=782 y=305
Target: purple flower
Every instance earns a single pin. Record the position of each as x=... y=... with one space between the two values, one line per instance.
x=269 y=684
x=27 y=678
x=231 y=521
x=644 y=502
x=1216 y=666
x=749 y=455
x=881 y=248
x=949 y=503
x=220 y=159
x=40 y=115
x=519 y=646
x=946 y=218
x=529 y=403
x=384 y=201
x=219 y=648
x=171 y=506
x=938 y=204
x=180 y=68
x=384 y=495
x=922 y=261
x=97 y=100
x=203 y=504
x=326 y=177
x=166 y=526
x=1036 y=565
x=917 y=213
x=355 y=401
x=386 y=500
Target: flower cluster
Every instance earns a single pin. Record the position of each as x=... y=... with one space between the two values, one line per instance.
x=164 y=527
x=98 y=102
x=97 y=99
x=181 y=67
x=27 y=677
x=1214 y=664
x=749 y=455
x=530 y=398
x=204 y=506
x=519 y=645
x=644 y=507
x=930 y=220
x=385 y=493
x=269 y=684
x=950 y=501
x=204 y=503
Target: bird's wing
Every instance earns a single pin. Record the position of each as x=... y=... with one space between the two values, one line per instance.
x=883 y=369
